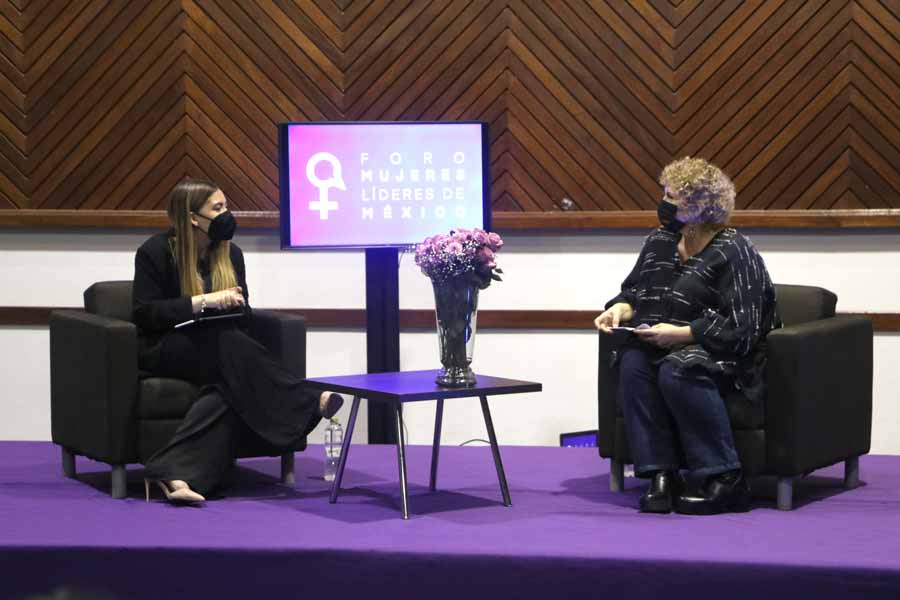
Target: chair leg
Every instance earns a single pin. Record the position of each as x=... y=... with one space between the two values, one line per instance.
x=616 y=476
x=785 y=487
x=851 y=472
x=119 y=485
x=287 y=468
x=68 y=463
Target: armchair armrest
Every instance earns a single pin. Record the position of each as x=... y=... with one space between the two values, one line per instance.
x=93 y=385
x=607 y=383
x=819 y=397
x=284 y=335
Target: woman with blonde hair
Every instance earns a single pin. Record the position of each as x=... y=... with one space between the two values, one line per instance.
x=194 y=269
x=701 y=301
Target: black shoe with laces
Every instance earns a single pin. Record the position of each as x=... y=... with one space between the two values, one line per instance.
x=664 y=489
x=725 y=492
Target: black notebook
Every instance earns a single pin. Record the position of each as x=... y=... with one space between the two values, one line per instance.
x=201 y=319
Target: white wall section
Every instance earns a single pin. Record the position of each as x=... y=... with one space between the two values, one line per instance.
x=560 y=272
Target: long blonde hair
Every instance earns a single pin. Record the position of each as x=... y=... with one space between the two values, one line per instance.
x=189 y=196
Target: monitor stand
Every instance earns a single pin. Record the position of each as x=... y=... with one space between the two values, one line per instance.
x=382 y=333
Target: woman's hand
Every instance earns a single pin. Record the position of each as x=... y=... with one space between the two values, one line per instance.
x=225 y=299
x=615 y=314
x=665 y=335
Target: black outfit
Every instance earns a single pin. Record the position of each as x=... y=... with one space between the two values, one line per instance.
x=245 y=390
x=672 y=398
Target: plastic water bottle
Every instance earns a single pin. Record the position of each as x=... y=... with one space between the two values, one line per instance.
x=334 y=439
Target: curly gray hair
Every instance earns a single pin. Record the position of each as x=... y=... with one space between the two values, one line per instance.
x=707 y=192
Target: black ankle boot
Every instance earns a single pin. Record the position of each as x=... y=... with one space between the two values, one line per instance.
x=726 y=492
x=664 y=489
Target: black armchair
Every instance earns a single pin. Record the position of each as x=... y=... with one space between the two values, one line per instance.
x=104 y=408
x=818 y=406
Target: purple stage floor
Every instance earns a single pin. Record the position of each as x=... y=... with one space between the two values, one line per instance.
x=565 y=534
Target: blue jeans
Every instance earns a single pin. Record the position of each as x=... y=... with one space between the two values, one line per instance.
x=674 y=418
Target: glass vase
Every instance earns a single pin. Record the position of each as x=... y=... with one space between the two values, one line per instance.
x=456 y=310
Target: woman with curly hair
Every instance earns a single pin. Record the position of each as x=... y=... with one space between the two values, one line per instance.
x=701 y=301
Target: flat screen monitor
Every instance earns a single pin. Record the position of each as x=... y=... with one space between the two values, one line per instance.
x=362 y=185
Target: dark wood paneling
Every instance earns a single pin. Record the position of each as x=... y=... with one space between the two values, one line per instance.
x=504 y=221
x=105 y=103
x=818 y=219
x=413 y=319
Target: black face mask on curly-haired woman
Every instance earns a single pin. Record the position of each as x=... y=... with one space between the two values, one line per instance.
x=667 y=213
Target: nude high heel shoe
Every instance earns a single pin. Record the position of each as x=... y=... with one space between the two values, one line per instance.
x=183 y=495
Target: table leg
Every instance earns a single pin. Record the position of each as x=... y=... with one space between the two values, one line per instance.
x=401 y=458
x=436 y=446
x=345 y=450
x=495 y=449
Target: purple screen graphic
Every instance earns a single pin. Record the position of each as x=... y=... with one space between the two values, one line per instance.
x=371 y=184
x=578 y=439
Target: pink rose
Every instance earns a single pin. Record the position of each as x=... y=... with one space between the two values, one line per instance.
x=495 y=241
x=454 y=248
x=480 y=237
x=485 y=258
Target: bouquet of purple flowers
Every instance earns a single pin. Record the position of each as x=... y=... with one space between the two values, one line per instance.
x=459 y=264
x=462 y=254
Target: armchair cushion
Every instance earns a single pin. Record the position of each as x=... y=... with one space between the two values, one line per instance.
x=284 y=335
x=165 y=398
x=743 y=413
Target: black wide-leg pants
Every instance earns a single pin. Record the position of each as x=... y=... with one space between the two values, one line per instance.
x=246 y=391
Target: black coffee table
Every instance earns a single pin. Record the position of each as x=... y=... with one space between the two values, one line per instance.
x=400 y=387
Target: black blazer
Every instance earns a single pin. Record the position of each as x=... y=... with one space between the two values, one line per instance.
x=158 y=303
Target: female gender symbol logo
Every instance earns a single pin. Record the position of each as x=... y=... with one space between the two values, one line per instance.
x=323 y=204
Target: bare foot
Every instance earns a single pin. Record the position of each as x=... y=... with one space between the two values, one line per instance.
x=323 y=401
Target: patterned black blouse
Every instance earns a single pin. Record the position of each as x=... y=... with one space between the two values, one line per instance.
x=723 y=293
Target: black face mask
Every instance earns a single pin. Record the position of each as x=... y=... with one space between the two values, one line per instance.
x=666 y=212
x=221 y=228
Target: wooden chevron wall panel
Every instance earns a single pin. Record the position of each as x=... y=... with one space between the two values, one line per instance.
x=105 y=104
